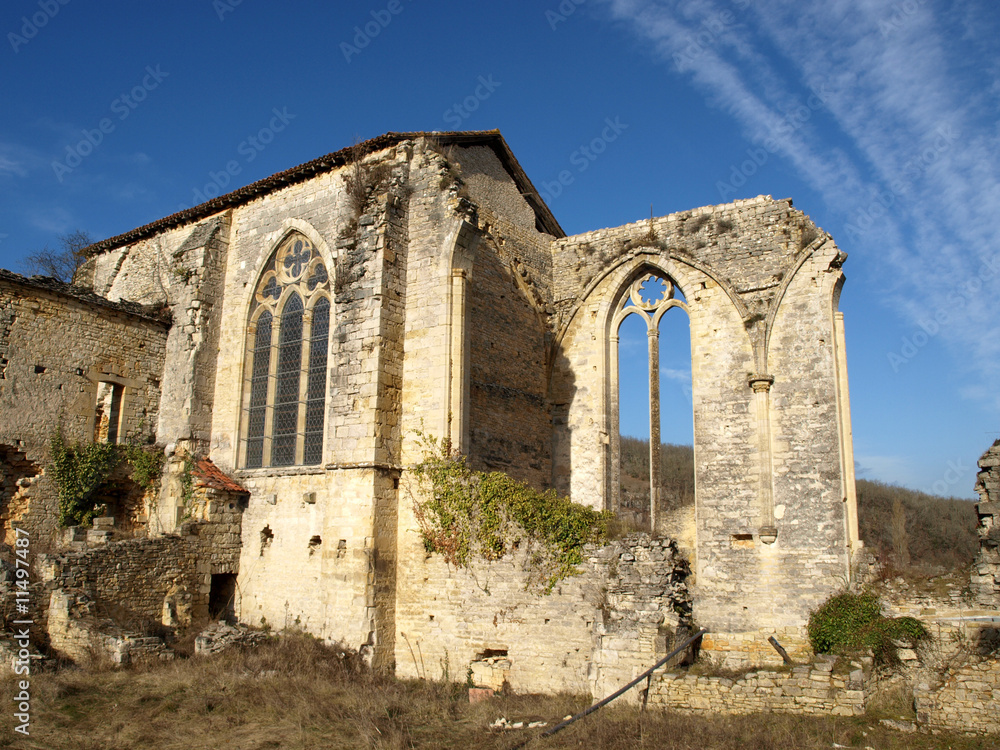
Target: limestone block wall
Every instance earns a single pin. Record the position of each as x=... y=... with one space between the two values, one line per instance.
x=985 y=576
x=136 y=574
x=760 y=283
x=592 y=634
x=307 y=553
x=180 y=270
x=808 y=689
x=967 y=699
x=490 y=396
x=58 y=343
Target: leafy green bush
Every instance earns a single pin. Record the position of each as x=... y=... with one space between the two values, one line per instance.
x=849 y=623
x=486 y=515
x=81 y=470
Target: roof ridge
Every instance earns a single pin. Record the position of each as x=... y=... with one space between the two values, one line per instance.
x=327 y=163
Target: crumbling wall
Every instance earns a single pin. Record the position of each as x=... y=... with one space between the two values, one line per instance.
x=592 y=634
x=760 y=283
x=823 y=688
x=58 y=345
x=967 y=699
x=180 y=270
x=985 y=578
x=135 y=574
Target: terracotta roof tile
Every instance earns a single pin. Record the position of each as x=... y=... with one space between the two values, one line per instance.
x=211 y=476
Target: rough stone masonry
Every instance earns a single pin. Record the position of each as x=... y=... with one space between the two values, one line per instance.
x=321 y=317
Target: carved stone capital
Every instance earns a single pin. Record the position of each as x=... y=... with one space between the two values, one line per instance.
x=760 y=382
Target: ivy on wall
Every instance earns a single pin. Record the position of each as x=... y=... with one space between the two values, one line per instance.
x=472 y=515
x=849 y=623
x=81 y=469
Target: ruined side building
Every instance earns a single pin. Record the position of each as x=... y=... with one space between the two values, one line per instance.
x=294 y=336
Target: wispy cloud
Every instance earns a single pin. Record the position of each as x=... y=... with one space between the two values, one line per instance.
x=17 y=160
x=908 y=150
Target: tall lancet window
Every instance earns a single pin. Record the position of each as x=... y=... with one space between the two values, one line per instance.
x=288 y=338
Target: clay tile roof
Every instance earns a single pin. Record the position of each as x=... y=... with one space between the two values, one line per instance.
x=209 y=475
x=492 y=138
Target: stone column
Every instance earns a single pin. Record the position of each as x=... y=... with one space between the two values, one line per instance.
x=654 y=424
x=761 y=385
x=614 y=436
x=458 y=402
x=846 y=435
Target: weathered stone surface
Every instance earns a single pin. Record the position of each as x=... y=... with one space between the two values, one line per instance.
x=460 y=310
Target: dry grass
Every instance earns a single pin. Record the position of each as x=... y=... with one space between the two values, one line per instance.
x=296 y=693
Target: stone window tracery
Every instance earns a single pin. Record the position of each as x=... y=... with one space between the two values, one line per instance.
x=287 y=345
x=649 y=296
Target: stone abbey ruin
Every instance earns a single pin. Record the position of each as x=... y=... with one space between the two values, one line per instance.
x=284 y=344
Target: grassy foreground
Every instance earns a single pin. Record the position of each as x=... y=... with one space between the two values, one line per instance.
x=296 y=693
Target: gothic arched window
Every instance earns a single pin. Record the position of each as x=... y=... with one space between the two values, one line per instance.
x=284 y=392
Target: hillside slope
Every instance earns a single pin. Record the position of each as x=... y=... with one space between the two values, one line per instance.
x=940 y=532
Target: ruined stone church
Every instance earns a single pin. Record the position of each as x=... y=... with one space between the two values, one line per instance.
x=283 y=345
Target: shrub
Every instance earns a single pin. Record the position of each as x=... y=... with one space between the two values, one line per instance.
x=849 y=623
x=486 y=515
x=81 y=470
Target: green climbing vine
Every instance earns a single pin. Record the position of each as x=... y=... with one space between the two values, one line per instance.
x=848 y=623
x=470 y=515
x=81 y=469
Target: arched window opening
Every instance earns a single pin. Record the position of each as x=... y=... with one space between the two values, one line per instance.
x=286 y=398
x=633 y=398
x=654 y=475
x=285 y=387
x=260 y=370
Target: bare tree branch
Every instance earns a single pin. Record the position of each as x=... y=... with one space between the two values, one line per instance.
x=63 y=263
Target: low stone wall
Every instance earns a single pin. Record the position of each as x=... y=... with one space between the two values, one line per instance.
x=818 y=688
x=968 y=699
x=744 y=650
x=136 y=574
x=592 y=634
x=76 y=634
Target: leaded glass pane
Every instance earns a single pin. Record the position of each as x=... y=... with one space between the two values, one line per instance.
x=297 y=267
x=316 y=389
x=286 y=399
x=260 y=368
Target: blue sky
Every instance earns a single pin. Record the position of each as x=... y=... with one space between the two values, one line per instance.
x=879 y=118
